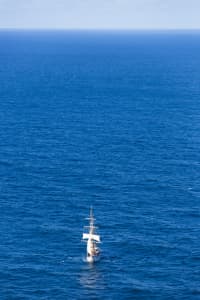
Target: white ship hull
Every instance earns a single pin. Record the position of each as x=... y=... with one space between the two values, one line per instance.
x=92 y=259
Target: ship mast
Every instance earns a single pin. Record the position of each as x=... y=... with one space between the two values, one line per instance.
x=91 y=218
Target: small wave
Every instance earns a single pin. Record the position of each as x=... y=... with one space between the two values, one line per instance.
x=6 y=163
x=195 y=291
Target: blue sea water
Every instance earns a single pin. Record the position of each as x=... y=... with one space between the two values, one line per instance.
x=109 y=119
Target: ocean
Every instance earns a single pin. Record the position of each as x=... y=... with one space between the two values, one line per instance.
x=109 y=119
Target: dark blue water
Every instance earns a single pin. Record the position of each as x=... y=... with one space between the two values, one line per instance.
x=109 y=119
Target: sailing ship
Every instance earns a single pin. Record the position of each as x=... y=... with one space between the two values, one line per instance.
x=93 y=252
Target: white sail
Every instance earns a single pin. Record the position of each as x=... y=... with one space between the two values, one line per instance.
x=94 y=237
x=85 y=236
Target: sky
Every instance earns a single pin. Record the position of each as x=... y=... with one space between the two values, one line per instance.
x=100 y=14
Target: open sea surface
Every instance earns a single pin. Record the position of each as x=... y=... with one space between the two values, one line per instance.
x=109 y=119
